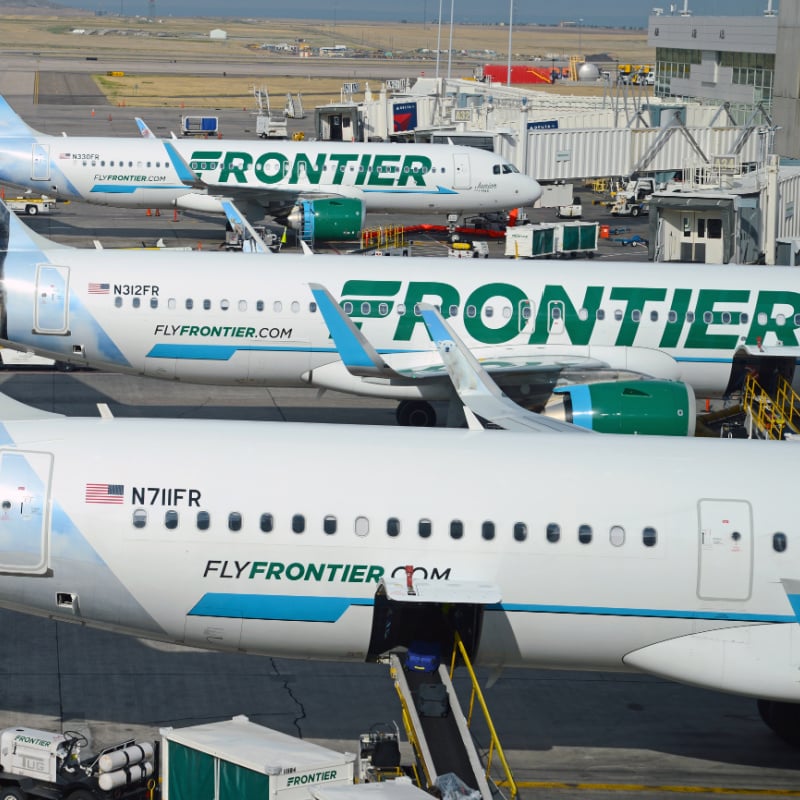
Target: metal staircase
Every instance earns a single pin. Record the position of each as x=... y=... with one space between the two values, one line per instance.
x=771 y=415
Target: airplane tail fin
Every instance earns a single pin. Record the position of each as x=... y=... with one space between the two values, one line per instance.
x=16 y=236
x=11 y=124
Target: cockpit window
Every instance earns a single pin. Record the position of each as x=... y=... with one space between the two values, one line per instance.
x=496 y=169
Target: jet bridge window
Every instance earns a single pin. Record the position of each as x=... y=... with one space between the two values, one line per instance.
x=171 y=519
x=585 y=534
x=329 y=524
x=779 y=542
x=425 y=528
x=203 y=520
x=456 y=529
x=520 y=531
x=649 y=537
x=234 y=521
x=266 y=523
x=487 y=530
x=139 y=518
x=553 y=532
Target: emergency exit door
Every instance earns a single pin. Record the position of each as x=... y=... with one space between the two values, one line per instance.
x=726 y=549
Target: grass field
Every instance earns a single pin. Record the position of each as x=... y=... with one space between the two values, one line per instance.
x=176 y=39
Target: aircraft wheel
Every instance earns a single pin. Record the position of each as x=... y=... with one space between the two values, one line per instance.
x=783 y=719
x=416 y=414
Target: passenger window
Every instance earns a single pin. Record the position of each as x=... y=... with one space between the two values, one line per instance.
x=312 y=307
x=329 y=524
x=708 y=317
x=601 y=314
x=234 y=521
x=778 y=541
x=383 y=309
x=726 y=317
x=452 y=311
x=224 y=304
x=456 y=529
x=203 y=520
x=425 y=528
x=298 y=523
x=277 y=306
x=553 y=532
x=618 y=315
x=393 y=526
x=487 y=530
x=189 y=303
x=206 y=305
x=242 y=305
x=472 y=312
x=118 y=302
x=259 y=305
x=636 y=315
x=672 y=315
x=153 y=302
x=171 y=519
x=585 y=534
x=649 y=537
x=295 y=307
x=136 y=302
x=361 y=526
x=489 y=311
x=690 y=316
x=520 y=531
x=365 y=308
x=347 y=307
x=172 y=304
x=139 y=518
x=654 y=316
x=617 y=536
x=266 y=523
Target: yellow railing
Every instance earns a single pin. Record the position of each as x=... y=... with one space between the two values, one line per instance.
x=389 y=236
x=494 y=745
x=772 y=415
x=412 y=736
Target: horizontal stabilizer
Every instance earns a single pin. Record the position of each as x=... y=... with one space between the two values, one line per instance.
x=476 y=389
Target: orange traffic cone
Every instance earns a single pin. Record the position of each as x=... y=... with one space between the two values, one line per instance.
x=149 y=213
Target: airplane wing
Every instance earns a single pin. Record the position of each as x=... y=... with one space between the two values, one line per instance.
x=362 y=360
x=475 y=388
x=11 y=409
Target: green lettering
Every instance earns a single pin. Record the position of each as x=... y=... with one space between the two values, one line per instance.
x=680 y=305
x=765 y=317
x=314 y=572
x=278 y=175
x=340 y=161
x=578 y=330
x=275 y=570
x=705 y=314
x=475 y=325
x=257 y=568
x=234 y=166
x=311 y=172
x=636 y=297
x=374 y=574
x=379 y=177
x=363 y=170
x=439 y=294
x=414 y=168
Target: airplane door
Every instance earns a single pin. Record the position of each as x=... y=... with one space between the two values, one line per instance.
x=40 y=162
x=52 y=299
x=461 y=178
x=555 y=317
x=726 y=550
x=24 y=496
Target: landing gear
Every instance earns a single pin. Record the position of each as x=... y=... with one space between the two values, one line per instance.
x=783 y=719
x=416 y=414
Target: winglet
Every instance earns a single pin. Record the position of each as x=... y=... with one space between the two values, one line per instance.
x=144 y=129
x=185 y=172
x=358 y=355
x=476 y=389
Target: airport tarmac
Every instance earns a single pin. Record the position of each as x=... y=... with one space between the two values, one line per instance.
x=566 y=734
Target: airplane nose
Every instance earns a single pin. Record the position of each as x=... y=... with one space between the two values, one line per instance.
x=530 y=191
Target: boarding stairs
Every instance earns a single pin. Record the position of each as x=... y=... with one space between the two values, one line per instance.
x=444 y=744
x=771 y=414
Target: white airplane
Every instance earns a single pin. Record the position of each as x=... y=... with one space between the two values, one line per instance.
x=347 y=542
x=222 y=318
x=322 y=189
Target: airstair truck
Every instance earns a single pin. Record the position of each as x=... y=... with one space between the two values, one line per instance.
x=236 y=759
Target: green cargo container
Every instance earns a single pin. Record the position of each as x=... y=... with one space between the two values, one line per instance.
x=576 y=238
x=239 y=760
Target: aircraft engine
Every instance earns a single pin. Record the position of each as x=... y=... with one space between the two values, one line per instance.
x=667 y=408
x=327 y=218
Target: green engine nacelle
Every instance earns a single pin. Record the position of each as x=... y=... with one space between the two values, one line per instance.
x=666 y=408
x=328 y=218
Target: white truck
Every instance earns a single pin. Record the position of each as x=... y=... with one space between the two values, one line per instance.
x=634 y=199
x=31 y=205
x=571 y=211
x=38 y=764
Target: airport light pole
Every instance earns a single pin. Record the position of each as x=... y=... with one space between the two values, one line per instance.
x=450 y=48
x=439 y=38
x=510 y=29
x=580 y=36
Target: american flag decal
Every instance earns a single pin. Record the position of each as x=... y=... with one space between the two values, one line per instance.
x=65 y=155
x=99 y=288
x=105 y=493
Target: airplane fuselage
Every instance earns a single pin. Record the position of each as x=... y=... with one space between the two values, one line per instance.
x=251 y=320
x=307 y=540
